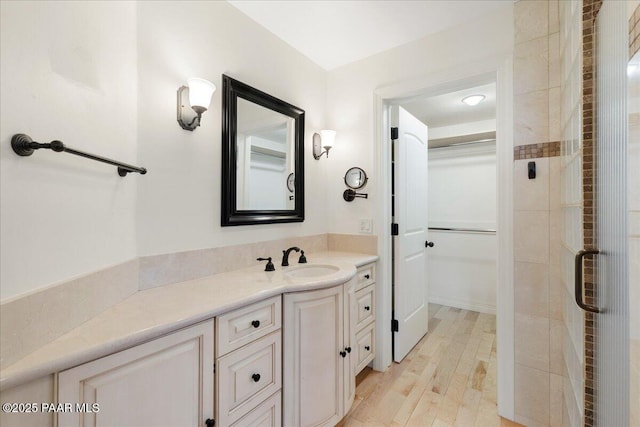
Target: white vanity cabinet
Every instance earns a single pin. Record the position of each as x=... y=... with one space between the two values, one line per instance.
x=164 y=382
x=249 y=365
x=364 y=347
x=319 y=368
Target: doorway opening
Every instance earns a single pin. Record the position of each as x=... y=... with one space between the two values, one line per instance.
x=499 y=74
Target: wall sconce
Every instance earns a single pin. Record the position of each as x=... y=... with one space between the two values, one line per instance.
x=324 y=139
x=197 y=95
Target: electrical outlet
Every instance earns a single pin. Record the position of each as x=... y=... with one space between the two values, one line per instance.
x=366 y=225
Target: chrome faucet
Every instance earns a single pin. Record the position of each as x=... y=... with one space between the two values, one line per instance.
x=285 y=255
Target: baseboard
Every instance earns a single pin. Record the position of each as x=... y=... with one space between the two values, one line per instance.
x=465 y=305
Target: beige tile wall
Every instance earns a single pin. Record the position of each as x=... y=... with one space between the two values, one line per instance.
x=538 y=293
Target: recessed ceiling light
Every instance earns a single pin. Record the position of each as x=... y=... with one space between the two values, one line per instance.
x=473 y=99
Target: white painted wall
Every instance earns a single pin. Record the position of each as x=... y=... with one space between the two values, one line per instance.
x=102 y=77
x=350 y=108
x=462 y=194
x=179 y=200
x=68 y=72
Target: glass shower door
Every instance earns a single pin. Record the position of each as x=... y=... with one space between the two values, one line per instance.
x=612 y=337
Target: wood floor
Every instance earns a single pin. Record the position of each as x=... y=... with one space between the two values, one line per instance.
x=448 y=379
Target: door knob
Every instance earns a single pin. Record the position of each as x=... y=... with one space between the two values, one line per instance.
x=210 y=423
x=343 y=354
x=366 y=347
x=255 y=377
x=428 y=244
x=255 y=323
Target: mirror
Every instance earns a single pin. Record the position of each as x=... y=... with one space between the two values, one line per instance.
x=355 y=178
x=262 y=157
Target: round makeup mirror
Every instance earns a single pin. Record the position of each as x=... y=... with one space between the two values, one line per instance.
x=355 y=178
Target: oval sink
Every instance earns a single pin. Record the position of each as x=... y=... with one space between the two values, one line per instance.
x=314 y=270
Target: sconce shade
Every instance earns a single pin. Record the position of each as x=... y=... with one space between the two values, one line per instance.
x=199 y=95
x=200 y=92
x=328 y=138
x=325 y=139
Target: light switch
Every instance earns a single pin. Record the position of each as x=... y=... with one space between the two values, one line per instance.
x=366 y=225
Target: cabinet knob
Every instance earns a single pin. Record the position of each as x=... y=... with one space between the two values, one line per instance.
x=348 y=349
x=428 y=244
x=366 y=307
x=366 y=276
x=343 y=353
x=255 y=323
x=210 y=423
x=255 y=377
x=366 y=347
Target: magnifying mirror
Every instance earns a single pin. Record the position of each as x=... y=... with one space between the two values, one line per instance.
x=355 y=178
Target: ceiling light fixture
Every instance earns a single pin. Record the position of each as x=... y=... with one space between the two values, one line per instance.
x=473 y=99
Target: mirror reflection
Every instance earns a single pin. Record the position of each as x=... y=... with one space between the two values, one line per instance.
x=265 y=158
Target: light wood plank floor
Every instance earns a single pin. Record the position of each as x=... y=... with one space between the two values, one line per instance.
x=448 y=379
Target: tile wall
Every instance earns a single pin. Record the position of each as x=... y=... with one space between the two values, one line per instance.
x=538 y=291
x=572 y=207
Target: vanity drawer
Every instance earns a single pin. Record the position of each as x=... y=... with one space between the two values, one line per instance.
x=366 y=275
x=241 y=326
x=267 y=414
x=365 y=346
x=365 y=306
x=247 y=376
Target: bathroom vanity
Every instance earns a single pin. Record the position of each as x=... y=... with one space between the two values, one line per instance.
x=242 y=348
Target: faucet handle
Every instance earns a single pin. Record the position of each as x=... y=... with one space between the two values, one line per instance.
x=269 y=266
x=303 y=259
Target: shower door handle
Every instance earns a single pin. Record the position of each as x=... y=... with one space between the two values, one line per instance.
x=578 y=280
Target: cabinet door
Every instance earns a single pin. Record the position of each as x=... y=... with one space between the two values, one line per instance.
x=350 y=361
x=165 y=382
x=313 y=366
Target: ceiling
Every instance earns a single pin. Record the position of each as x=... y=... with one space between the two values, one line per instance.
x=333 y=33
x=448 y=109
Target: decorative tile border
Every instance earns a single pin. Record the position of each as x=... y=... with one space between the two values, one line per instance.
x=590 y=9
x=634 y=33
x=536 y=151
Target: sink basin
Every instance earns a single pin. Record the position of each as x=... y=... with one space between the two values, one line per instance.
x=313 y=270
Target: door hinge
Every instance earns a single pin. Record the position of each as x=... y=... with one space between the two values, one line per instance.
x=394 y=325
x=394 y=229
x=394 y=133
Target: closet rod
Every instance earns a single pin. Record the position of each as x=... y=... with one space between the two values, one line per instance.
x=464 y=230
x=459 y=144
x=23 y=145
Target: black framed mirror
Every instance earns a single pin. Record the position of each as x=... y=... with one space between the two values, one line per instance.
x=262 y=152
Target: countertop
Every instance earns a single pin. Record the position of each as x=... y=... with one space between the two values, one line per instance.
x=158 y=311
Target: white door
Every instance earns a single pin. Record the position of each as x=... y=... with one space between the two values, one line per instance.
x=410 y=213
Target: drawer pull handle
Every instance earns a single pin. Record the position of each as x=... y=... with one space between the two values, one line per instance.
x=255 y=377
x=366 y=307
x=255 y=323
x=210 y=423
x=366 y=347
x=366 y=276
x=343 y=354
